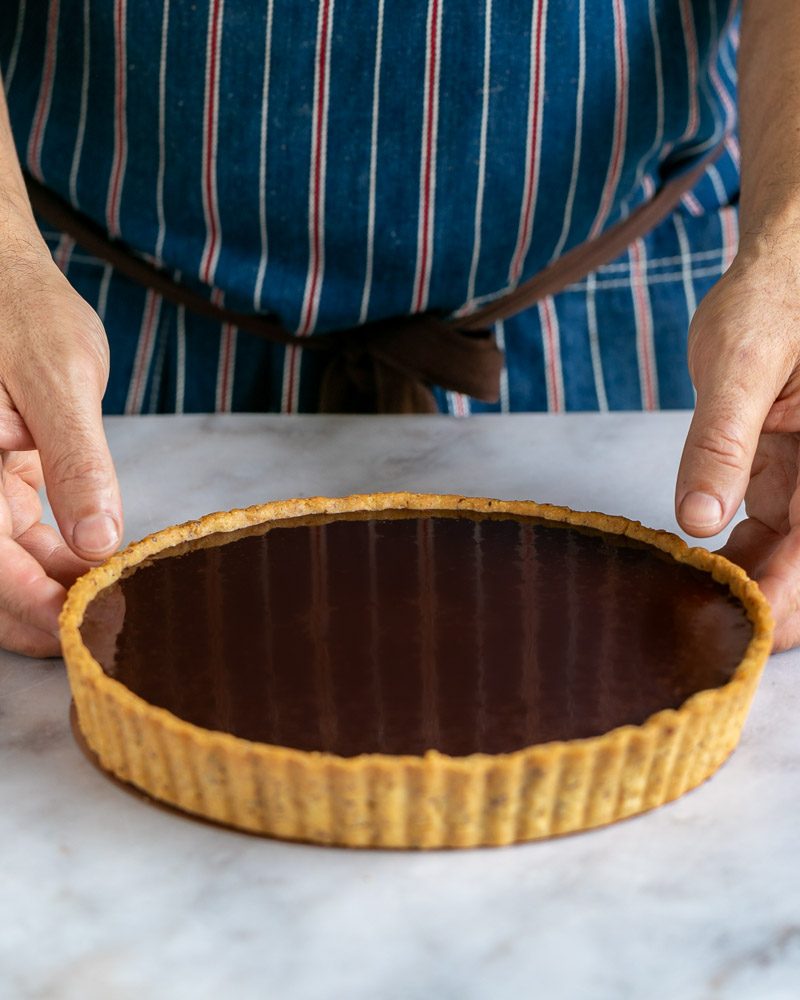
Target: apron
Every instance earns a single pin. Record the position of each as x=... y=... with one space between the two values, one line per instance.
x=338 y=163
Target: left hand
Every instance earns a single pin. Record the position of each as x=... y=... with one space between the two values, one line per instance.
x=744 y=440
x=37 y=554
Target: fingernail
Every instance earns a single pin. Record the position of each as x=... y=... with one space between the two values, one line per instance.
x=96 y=534
x=700 y=510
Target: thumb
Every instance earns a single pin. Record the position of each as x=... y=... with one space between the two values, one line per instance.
x=719 y=450
x=67 y=426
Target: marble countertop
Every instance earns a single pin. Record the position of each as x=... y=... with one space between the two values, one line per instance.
x=102 y=896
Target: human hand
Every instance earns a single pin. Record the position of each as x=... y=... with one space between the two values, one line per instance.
x=744 y=440
x=53 y=372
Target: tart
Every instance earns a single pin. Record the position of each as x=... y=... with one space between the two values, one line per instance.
x=404 y=670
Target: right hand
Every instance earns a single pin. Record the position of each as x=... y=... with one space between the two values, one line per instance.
x=54 y=363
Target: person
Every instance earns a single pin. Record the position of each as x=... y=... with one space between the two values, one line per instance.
x=335 y=164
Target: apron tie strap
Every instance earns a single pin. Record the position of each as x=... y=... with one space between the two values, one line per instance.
x=388 y=366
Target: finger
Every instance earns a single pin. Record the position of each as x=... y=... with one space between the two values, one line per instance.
x=787 y=635
x=779 y=580
x=26 y=592
x=66 y=423
x=27 y=466
x=750 y=544
x=48 y=549
x=23 y=501
x=26 y=639
x=787 y=628
x=720 y=445
x=14 y=434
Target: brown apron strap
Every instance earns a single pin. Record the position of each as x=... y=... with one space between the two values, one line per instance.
x=61 y=216
x=387 y=366
x=589 y=256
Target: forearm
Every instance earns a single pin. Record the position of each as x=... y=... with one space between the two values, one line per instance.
x=769 y=103
x=19 y=234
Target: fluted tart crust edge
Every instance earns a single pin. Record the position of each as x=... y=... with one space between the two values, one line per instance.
x=430 y=801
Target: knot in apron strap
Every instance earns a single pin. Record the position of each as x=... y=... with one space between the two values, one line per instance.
x=390 y=365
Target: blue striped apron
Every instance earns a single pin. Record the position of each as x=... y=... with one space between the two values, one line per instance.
x=334 y=162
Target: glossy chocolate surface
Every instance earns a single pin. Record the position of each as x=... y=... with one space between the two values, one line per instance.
x=399 y=633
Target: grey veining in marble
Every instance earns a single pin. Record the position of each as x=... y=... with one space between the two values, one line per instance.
x=104 y=897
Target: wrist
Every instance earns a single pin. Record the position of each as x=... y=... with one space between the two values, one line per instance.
x=23 y=250
x=769 y=213
x=774 y=247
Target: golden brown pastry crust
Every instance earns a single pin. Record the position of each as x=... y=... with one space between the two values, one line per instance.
x=378 y=800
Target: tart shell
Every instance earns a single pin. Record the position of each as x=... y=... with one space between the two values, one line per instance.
x=430 y=801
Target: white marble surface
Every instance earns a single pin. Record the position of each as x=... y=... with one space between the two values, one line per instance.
x=102 y=896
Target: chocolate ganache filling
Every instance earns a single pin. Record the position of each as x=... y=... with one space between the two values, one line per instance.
x=403 y=631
